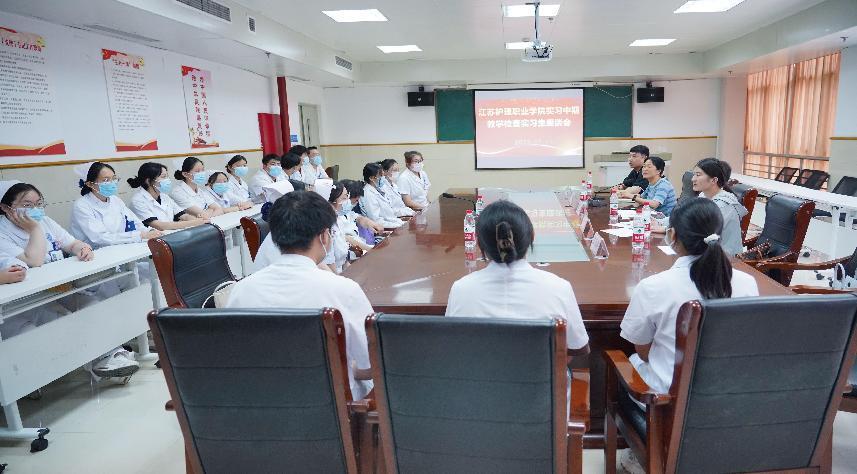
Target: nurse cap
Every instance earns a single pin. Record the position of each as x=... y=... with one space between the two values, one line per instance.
x=5 y=185
x=277 y=190
x=81 y=171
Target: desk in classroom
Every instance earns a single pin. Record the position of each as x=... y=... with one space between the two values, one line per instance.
x=412 y=271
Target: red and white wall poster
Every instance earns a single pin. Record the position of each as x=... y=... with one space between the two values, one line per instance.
x=197 y=92
x=29 y=120
x=130 y=109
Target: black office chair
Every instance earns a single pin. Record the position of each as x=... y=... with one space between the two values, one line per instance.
x=812 y=179
x=687 y=191
x=298 y=185
x=191 y=263
x=847 y=186
x=472 y=394
x=258 y=390
x=332 y=172
x=756 y=387
x=786 y=174
x=255 y=230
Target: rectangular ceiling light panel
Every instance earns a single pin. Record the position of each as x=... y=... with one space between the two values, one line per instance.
x=707 y=6
x=353 y=16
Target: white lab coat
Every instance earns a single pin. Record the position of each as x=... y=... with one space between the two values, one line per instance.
x=101 y=223
x=652 y=312
x=294 y=281
x=394 y=197
x=337 y=255
x=267 y=253
x=13 y=239
x=414 y=185
x=375 y=206
x=186 y=197
x=518 y=291
x=239 y=188
x=228 y=199
x=148 y=209
x=261 y=178
x=310 y=173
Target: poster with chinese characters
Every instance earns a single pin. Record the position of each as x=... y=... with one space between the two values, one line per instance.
x=29 y=119
x=197 y=94
x=130 y=109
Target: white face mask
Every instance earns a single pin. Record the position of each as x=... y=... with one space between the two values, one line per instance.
x=324 y=247
x=417 y=167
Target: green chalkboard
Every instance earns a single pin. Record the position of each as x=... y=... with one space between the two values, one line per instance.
x=607 y=111
x=453 y=109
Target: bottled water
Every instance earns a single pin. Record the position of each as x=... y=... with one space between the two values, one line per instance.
x=480 y=204
x=614 y=207
x=469 y=231
x=638 y=237
x=647 y=221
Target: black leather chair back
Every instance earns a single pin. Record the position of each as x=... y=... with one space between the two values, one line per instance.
x=333 y=172
x=847 y=186
x=467 y=394
x=190 y=264
x=812 y=179
x=786 y=174
x=687 y=191
x=298 y=185
x=765 y=371
x=255 y=389
x=255 y=232
x=780 y=223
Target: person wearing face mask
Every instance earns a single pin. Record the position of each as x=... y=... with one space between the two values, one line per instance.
x=346 y=224
x=302 y=155
x=271 y=172
x=660 y=193
x=292 y=169
x=300 y=228
x=311 y=168
x=237 y=169
x=188 y=190
x=152 y=202
x=414 y=182
x=373 y=203
x=99 y=217
x=390 y=169
x=711 y=180
x=218 y=192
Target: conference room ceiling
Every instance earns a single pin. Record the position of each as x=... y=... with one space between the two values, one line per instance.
x=468 y=29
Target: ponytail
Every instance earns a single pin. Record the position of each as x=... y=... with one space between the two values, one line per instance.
x=505 y=243
x=698 y=225
x=187 y=165
x=505 y=232
x=148 y=173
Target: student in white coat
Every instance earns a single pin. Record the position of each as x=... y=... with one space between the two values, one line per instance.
x=300 y=226
x=188 y=191
x=271 y=172
x=701 y=271
x=218 y=191
x=300 y=152
x=152 y=202
x=711 y=180
x=414 y=182
x=390 y=168
x=315 y=165
x=236 y=168
x=509 y=287
x=373 y=203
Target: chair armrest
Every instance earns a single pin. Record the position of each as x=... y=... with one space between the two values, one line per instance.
x=576 y=428
x=169 y=406
x=817 y=290
x=362 y=374
x=751 y=242
x=763 y=262
x=631 y=380
x=362 y=406
x=772 y=265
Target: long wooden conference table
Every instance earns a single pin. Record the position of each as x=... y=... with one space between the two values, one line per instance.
x=412 y=271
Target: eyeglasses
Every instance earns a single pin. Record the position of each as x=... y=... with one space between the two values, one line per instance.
x=31 y=205
x=115 y=179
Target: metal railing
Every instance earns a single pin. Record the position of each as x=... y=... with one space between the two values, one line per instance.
x=768 y=169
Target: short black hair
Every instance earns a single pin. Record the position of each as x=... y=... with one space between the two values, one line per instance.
x=297 y=185
x=387 y=164
x=505 y=232
x=298 y=150
x=410 y=155
x=641 y=149
x=290 y=160
x=370 y=170
x=299 y=217
x=267 y=158
x=146 y=175
x=659 y=163
x=310 y=148
x=92 y=175
x=16 y=190
x=236 y=159
x=213 y=177
x=355 y=188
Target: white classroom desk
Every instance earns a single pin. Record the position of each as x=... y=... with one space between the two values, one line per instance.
x=35 y=358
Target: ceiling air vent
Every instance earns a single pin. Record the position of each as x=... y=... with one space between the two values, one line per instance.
x=344 y=63
x=251 y=24
x=210 y=7
x=120 y=33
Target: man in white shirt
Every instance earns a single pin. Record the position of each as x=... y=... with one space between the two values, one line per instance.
x=271 y=172
x=300 y=228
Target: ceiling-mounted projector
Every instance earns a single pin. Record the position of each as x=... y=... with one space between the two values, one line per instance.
x=537 y=52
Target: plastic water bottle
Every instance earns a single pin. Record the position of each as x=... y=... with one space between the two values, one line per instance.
x=647 y=221
x=469 y=231
x=589 y=184
x=469 y=260
x=480 y=204
x=638 y=237
x=614 y=207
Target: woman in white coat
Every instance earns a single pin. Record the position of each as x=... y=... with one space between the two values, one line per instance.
x=188 y=190
x=390 y=168
x=218 y=192
x=152 y=202
x=373 y=203
x=237 y=170
x=414 y=182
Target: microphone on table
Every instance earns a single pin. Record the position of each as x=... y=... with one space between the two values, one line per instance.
x=450 y=196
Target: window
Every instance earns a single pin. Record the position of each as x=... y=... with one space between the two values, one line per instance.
x=790 y=114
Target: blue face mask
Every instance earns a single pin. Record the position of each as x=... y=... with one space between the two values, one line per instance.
x=346 y=207
x=200 y=178
x=275 y=171
x=240 y=171
x=316 y=160
x=108 y=189
x=165 y=186
x=35 y=213
x=220 y=188
x=382 y=182
x=305 y=160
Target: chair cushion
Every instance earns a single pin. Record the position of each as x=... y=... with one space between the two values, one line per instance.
x=780 y=224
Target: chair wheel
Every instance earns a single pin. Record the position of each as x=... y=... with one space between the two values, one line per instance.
x=40 y=443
